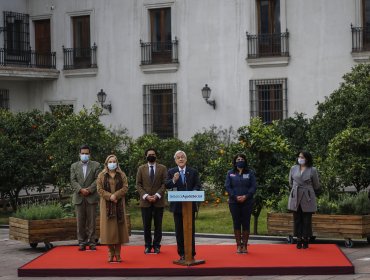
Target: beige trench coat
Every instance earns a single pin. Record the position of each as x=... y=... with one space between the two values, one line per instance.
x=112 y=231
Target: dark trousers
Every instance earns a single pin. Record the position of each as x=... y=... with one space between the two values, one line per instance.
x=147 y=214
x=241 y=215
x=302 y=223
x=86 y=223
x=179 y=230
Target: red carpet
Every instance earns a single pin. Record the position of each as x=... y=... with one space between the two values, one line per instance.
x=262 y=259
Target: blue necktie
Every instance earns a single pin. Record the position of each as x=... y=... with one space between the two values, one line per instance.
x=182 y=176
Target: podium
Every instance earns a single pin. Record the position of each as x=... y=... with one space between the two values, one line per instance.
x=187 y=198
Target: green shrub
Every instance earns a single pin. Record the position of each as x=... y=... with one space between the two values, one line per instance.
x=326 y=206
x=40 y=211
x=282 y=205
x=358 y=204
x=346 y=204
x=362 y=204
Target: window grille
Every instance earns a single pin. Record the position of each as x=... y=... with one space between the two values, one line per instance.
x=16 y=33
x=4 y=99
x=268 y=99
x=160 y=109
x=61 y=108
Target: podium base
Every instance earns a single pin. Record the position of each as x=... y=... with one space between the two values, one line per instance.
x=189 y=263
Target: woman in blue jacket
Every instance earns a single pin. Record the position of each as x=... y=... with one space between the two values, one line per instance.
x=240 y=184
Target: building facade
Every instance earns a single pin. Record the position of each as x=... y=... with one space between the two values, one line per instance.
x=153 y=59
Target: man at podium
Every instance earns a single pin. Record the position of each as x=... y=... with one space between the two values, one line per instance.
x=182 y=178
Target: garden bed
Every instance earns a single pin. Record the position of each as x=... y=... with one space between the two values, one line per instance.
x=333 y=226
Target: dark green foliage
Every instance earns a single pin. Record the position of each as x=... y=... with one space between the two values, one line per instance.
x=348 y=106
x=296 y=130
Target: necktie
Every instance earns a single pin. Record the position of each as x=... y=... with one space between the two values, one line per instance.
x=182 y=176
x=151 y=174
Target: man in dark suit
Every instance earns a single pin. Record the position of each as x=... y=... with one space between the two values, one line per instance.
x=85 y=197
x=182 y=178
x=150 y=183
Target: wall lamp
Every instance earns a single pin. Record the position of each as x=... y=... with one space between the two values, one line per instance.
x=101 y=98
x=206 y=93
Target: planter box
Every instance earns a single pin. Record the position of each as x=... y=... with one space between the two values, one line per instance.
x=334 y=226
x=47 y=231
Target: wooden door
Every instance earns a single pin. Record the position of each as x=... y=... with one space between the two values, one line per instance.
x=161 y=37
x=81 y=42
x=269 y=31
x=42 y=43
x=366 y=24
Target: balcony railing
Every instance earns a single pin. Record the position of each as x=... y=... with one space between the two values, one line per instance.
x=80 y=58
x=29 y=58
x=159 y=52
x=360 y=39
x=268 y=45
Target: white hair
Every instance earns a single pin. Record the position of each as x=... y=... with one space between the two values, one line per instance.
x=179 y=151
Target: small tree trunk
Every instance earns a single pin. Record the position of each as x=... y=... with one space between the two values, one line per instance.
x=256 y=214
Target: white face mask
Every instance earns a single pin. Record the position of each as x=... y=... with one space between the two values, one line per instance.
x=112 y=165
x=84 y=158
x=301 y=161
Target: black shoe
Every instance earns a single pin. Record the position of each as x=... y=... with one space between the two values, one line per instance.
x=147 y=250
x=81 y=248
x=299 y=244
x=156 y=250
x=92 y=247
x=305 y=244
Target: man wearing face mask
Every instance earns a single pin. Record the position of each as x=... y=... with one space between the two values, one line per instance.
x=85 y=197
x=150 y=184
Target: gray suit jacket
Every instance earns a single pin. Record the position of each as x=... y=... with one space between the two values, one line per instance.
x=303 y=189
x=78 y=181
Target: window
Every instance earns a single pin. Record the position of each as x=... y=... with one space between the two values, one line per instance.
x=16 y=35
x=160 y=112
x=4 y=99
x=268 y=99
x=160 y=33
x=81 y=41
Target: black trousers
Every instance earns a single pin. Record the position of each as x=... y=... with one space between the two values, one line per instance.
x=179 y=230
x=241 y=215
x=302 y=223
x=148 y=214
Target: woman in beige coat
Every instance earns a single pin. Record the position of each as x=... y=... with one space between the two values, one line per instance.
x=112 y=187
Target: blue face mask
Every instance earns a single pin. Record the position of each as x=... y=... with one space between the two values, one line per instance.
x=241 y=164
x=84 y=158
x=112 y=165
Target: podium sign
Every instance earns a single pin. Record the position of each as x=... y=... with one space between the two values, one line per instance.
x=183 y=196
x=187 y=198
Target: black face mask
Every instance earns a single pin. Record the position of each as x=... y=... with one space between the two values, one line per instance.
x=151 y=158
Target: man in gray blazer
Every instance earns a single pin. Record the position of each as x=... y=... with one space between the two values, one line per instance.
x=150 y=180
x=85 y=198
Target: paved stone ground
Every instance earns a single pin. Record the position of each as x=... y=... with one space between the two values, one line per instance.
x=14 y=254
